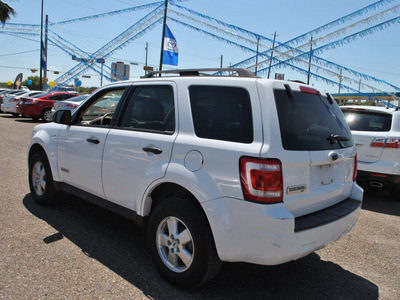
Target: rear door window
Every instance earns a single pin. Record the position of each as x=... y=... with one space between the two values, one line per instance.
x=367 y=121
x=310 y=122
x=222 y=113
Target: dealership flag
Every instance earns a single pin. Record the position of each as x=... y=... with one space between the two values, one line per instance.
x=170 y=55
x=43 y=57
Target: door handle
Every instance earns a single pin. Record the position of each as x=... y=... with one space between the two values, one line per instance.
x=93 y=141
x=152 y=149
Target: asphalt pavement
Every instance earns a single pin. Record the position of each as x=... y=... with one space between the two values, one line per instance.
x=78 y=251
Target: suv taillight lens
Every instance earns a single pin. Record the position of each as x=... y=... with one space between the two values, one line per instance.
x=393 y=143
x=355 y=168
x=261 y=179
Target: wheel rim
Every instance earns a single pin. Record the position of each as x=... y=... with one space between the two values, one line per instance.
x=175 y=244
x=39 y=178
x=47 y=115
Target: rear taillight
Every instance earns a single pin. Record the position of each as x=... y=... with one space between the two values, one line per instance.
x=30 y=101
x=393 y=143
x=71 y=106
x=261 y=180
x=355 y=168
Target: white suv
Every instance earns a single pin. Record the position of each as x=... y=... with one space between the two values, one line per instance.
x=376 y=132
x=218 y=168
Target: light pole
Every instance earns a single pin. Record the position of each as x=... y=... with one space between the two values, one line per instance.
x=41 y=50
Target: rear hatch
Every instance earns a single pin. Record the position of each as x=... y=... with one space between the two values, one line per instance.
x=370 y=129
x=316 y=149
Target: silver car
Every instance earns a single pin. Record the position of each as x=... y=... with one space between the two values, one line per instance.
x=69 y=104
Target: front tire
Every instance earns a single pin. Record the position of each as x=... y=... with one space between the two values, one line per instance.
x=41 y=181
x=181 y=243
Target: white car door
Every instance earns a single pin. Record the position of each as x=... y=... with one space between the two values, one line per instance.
x=80 y=146
x=138 y=150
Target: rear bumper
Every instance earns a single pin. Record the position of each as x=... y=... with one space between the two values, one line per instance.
x=8 y=108
x=29 y=110
x=270 y=235
x=379 y=180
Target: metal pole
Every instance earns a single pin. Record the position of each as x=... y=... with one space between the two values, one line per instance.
x=222 y=61
x=340 y=79
x=41 y=50
x=147 y=53
x=45 y=45
x=272 y=54
x=258 y=44
x=101 y=78
x=163 y=34
x=309 y=64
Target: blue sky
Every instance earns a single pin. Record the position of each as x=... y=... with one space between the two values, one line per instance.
x=376 y=55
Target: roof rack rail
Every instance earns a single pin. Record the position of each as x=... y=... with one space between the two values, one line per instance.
x=240 y=72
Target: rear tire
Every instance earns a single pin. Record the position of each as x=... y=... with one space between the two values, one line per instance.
x=41 y=181
x=181 y=243
x=46 y=115
x=15 y=114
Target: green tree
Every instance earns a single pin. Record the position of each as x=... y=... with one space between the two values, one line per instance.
x=5 y=12
x=35 y=82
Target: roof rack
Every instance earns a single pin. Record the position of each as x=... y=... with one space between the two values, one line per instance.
x=238 y=72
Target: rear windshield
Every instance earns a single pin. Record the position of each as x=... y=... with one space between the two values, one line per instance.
x=309 y=122
x=367 y=121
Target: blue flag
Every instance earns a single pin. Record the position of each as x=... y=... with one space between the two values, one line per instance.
x=43 y=57
x=170 y=55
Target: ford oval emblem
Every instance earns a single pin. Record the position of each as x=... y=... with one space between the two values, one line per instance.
x=333 y=156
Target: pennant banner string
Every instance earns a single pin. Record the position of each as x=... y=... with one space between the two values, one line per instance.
x=111 y=13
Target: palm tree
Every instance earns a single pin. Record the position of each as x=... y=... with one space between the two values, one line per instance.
x=5 y=12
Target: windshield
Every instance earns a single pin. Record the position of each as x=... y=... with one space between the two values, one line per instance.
x=310 y=122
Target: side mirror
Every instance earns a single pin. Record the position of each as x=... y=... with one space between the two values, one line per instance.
x=62 y=117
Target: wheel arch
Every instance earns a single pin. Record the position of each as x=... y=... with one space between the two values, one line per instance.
x=37 y=147
x=168 y=190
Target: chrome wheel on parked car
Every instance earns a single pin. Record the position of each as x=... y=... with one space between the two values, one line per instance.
x=175 y=244
x=41 y=181
x=47 y=115
x=39 y=178
x=181 y=243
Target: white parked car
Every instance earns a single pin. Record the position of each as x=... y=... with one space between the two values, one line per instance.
x=10 y=101
x=376 y=133
x=70 y=104
x=218 y=168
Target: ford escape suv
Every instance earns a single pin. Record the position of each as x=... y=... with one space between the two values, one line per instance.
x=217 y=168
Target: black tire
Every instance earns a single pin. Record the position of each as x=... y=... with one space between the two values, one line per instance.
x=197 y=248
x=14 y=114
x=394 y=194
x=41 y=181
x=46 y=115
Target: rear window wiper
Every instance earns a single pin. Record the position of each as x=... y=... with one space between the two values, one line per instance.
x=337 y=138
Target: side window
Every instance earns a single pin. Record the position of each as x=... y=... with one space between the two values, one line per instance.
x=56 y=97
x=222 y=113
x=67 y=96
x=151 y=108
x=101 y=110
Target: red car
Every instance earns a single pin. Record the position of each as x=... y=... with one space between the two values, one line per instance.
x=40 y=106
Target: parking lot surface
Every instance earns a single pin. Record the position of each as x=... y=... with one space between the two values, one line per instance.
x=77 y=250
